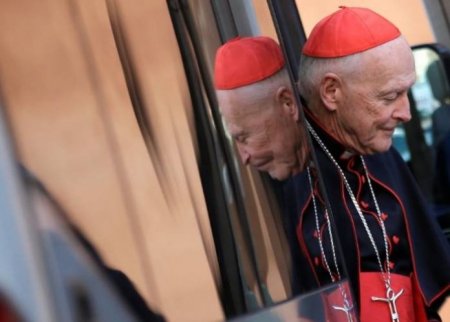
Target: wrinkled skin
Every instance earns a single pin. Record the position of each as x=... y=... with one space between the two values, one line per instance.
x=362 y=110
x=267 y=134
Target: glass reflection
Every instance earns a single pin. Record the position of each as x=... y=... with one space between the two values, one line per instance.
x=316 y=306
x=272 y=215
x=157 y=188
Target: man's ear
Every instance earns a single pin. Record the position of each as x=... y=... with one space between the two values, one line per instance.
x=330 y=91
x=285 y=98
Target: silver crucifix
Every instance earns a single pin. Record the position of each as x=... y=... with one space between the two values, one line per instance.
x=346 y=308
x=391 y=297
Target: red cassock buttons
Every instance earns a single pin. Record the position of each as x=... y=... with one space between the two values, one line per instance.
x=317 y=261
x=395 y=239
x=364 y=204
x=391 y=265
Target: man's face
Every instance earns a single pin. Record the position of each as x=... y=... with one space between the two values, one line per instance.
x=267 y=135
x=375 y=101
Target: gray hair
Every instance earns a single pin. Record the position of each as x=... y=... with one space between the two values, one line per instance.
x=312 y=70
x=263 y=91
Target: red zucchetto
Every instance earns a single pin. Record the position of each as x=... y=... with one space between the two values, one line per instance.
x=247 y=60
x=349 y=31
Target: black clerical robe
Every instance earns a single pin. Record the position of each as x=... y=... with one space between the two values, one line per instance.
x=417 y=247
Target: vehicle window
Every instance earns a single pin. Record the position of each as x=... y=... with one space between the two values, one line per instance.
x=430 y=92
x=111 y=107
x=424 y=141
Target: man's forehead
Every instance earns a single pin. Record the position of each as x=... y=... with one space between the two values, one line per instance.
x=234 y=105
x=240 y=121
x=398 y=84
x=398 y=71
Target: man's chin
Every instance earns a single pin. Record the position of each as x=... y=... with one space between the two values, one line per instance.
x=279 y=175
x=378 y=148
x=383 y=148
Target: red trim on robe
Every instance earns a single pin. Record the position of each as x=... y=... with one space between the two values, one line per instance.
x=302 y=242
x=410 y=305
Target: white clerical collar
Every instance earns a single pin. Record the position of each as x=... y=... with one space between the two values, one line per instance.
x=346 y=155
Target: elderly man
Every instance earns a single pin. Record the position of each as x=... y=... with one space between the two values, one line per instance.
x=354 y=75
x=257 y=103
x=355 y=72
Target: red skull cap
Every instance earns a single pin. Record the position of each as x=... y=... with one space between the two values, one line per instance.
x=246 y=60
x=349 y=31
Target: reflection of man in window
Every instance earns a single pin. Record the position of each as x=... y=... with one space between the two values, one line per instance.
x=355 y=72
x=258 y=106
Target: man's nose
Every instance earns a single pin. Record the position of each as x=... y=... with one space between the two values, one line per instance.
x=243 y=153
x=403 y=112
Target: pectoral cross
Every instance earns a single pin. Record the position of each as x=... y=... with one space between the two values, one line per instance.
x=391 y=297
x=346 y=308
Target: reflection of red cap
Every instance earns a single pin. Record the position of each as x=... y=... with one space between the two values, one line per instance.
x=244 y=61
x=349 y=31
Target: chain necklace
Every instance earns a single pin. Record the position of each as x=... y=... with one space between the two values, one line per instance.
x=347 y=307
x=391 y=296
